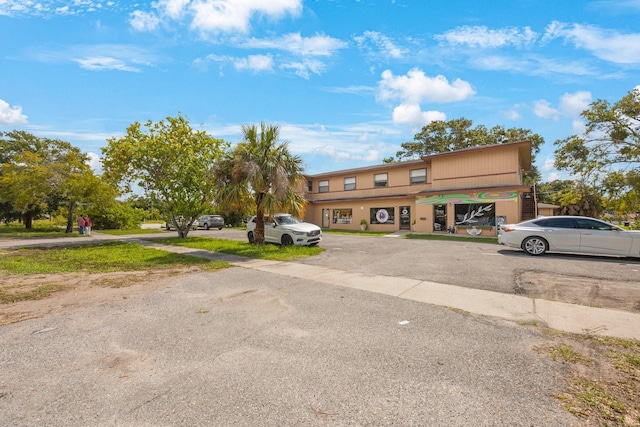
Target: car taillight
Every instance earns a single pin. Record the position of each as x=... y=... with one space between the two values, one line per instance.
x=507 y=229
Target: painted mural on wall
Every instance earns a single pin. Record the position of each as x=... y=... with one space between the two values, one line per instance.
x=476 y=214
x=468 y=198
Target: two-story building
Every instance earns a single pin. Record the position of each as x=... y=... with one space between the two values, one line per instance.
x=467 y=191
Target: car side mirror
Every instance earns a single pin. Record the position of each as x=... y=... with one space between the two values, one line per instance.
x=275 y=225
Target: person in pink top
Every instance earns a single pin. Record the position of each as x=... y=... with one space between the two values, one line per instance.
x=87 y=225
x=81 y=223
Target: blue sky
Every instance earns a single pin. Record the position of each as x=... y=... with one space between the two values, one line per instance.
x=347 y=81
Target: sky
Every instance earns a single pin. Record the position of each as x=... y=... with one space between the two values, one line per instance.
x=347 y=81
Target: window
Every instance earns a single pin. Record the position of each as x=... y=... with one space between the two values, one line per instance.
x=342 y=216
x=380 y=180
x=418 y=176
x=323 y=186
x=382 y=216
x=481 y=215
x=350 y=183
x=310 y=186
x=556 y=222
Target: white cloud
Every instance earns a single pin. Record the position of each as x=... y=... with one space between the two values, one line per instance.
x=483 y=37
x=94 y=162
x=255 y=63
x=415 y=87
x=412 y=114
x=214 y=16
x=543 y=109
x=47 y=8
x=382 y=44
x=513 y=114
x=105 y=63
x=573 y=104
x=305 y=67
x=144 y=21
x=11 y=115
x=608 y=45
x=318 y=45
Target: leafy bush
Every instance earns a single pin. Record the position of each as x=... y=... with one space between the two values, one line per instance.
x=116 y=216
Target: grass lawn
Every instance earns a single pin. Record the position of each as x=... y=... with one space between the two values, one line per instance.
x=102 y=257
x=266 y=251
x=40 y=230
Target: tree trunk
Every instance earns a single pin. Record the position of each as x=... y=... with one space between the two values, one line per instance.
x=69 y=228
x=28 y=221
x=258 y=232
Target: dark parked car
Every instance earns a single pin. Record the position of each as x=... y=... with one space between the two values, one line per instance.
x=211 y=221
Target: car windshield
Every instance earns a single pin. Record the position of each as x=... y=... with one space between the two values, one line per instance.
x=287 y=219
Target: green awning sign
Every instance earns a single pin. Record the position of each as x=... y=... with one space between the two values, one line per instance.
x=467 y=198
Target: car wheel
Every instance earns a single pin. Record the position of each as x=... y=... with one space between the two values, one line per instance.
x=286 y=240
x=168 y=228
x=535 y=246
x=219 y=228
x=206 y=226
x=250 y=237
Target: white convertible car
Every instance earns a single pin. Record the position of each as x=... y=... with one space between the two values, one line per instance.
x=574 y=234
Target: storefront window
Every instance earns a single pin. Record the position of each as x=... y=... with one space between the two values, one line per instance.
x=382 y=216
x=342 y=216
x=478 y=214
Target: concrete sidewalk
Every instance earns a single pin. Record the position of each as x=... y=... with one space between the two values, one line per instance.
x=556 y=315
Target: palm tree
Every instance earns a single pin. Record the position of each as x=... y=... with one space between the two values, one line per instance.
x=261 y=172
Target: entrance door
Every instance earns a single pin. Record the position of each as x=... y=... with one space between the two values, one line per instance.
x=439 y=217
x=405 y=217
x=326 y=218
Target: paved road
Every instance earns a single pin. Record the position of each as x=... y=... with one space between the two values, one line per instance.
x=256 y=348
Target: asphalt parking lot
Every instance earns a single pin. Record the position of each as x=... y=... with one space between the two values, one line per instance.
x=246 y=347
x=481 y=266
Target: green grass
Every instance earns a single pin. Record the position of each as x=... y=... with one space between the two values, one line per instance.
x=40 y=230
x=235 y=247
x=103 y=257
x=452 y=237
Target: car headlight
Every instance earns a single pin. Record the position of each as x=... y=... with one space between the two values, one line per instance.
x=299 y=233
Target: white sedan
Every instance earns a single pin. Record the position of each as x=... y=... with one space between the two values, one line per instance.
x=286 y=230
x=576 y=234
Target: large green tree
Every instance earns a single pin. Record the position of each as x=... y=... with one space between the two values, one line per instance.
x=39 y=175
x=606 y=157
x=262 y=171
x=457 y=134
x=172 y=164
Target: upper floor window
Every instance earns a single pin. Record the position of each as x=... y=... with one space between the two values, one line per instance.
x=310 y=186
x=323 y=186
x=380 y=180
x=418 y=176
x=350 y=183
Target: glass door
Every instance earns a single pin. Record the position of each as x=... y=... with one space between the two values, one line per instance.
x=440 y=218
x=405 y=217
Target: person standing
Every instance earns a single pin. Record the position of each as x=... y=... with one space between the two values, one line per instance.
x=81 y=224
x=87 y=225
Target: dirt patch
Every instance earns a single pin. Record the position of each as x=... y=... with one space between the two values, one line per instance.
x=585 y=291
x=38 y=295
